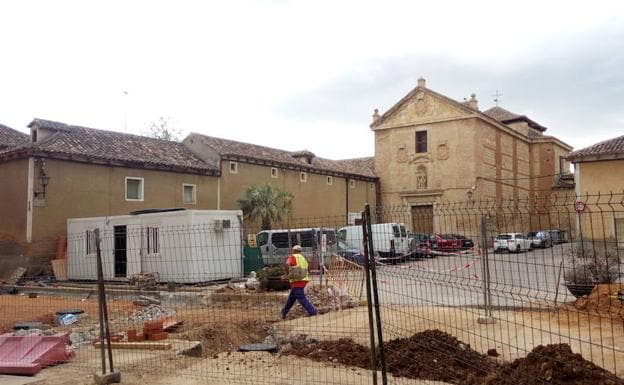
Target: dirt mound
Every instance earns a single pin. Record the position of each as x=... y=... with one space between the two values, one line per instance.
x=553 y=365
x=436 y=355
x=219 y=338
x=344 y=351
x=604 y=298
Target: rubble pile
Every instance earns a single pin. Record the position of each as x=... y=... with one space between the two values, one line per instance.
x=150 y=313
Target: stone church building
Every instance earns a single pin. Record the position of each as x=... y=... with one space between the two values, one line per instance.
x=431 y=149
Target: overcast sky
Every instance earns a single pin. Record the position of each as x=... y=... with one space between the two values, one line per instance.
x=308 y=74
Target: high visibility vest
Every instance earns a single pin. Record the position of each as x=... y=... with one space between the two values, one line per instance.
x=299 y=272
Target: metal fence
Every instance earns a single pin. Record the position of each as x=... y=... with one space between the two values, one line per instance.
x=465 y=293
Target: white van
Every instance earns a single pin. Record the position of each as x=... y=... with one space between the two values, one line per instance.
x=276 y=245
x=389 y=240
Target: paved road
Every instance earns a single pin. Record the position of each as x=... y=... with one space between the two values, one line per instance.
x=521 y=279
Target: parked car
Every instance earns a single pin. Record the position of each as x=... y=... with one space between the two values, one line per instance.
x=352 y=253
x=465 y=243
x=420 y=245
x=540 y=238
x=558 y=236
x=512 y=242
x=452 y=242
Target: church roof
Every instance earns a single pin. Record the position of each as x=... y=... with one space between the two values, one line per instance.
x=506 y=117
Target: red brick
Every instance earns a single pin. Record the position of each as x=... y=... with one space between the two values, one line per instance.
x=158 y=336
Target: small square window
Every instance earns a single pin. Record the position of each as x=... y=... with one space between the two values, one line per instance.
x=188 y=193
x=134 y=189
x=330 y=180
x=233 y=167
x=352 y=183
x=371 y=185
x=274 y=173
x=303 y=177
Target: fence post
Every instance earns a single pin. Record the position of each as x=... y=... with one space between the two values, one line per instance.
x=485 y=270
x=369 y=302
x=111 y=376
x=371 y=255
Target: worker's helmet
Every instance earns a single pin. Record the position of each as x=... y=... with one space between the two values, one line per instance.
x=296 y=248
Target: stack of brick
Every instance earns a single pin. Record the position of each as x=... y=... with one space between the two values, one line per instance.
x=152 y=331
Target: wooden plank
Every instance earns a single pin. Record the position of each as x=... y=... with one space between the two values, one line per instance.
x=138 y=345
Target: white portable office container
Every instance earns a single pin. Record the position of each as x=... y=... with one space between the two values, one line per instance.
x=183 y=246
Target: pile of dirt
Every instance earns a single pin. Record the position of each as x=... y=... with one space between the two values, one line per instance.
x=217 y=338
x=553 y=365
x=604 y=298
x=344 y=351
x=437 y=356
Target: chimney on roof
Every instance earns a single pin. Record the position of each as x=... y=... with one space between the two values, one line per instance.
x=422 y=82
x=473 y=102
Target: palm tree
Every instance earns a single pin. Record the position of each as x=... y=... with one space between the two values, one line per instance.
x=266 y=202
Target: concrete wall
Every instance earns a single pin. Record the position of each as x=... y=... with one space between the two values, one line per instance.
x=13 y=199
x=86 y=190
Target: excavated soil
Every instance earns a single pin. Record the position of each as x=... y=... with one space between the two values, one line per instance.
x=438 y=356
x=435 y=355
x=553 y=365
x=604 y=298
x=223 y=330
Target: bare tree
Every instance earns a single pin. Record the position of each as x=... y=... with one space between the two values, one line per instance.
x=161 y=129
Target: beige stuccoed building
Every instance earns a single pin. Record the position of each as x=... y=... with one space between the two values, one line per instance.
x=431 y=149
x=599 y=175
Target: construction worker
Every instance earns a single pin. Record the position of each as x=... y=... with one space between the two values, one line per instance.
x=298 y=276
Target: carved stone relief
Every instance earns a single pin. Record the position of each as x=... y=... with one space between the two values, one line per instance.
x=443 y=152
x=421 y=178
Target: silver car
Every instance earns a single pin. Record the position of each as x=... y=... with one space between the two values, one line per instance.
x=540 y=238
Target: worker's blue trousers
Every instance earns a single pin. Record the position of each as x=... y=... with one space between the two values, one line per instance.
x=297 y=294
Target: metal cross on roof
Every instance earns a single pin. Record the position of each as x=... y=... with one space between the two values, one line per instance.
x=497 y=98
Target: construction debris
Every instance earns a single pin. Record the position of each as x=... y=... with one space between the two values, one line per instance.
x=144 y=281
x=150 y=313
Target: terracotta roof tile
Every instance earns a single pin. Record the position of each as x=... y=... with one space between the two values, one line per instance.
x=298 y=159
x=69 y=141
x=612 y=148
x=501 y=114
x=505 y=117
x=10 y=137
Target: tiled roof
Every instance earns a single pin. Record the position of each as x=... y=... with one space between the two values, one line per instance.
x=505 y=117
x=93 y=145
x=231 y=149
x=610 y=149
x=10 y=137
x=501 y=114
